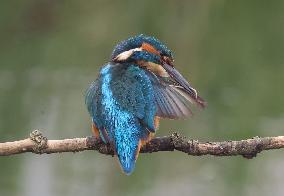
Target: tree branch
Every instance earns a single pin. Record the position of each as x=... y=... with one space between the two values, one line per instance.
x=248 y=148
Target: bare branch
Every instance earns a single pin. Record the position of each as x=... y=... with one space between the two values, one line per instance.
x=247 y=148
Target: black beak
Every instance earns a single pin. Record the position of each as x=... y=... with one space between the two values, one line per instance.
x=181 y=81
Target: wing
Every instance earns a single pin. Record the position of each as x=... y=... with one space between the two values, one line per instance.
x=134 y=91
x=172 y=100
x=90 y=97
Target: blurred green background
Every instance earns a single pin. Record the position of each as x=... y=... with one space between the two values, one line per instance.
x=231 y=51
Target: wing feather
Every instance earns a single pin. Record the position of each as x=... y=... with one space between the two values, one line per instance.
x=171 y=101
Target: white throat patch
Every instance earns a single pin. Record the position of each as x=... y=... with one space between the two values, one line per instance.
x=126 y=54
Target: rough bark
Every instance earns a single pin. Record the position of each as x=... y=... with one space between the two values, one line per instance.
x=248 y=148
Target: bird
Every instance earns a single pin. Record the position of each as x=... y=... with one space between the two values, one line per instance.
x=138 y=86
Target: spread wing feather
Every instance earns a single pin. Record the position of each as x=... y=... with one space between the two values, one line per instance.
x=172 y=102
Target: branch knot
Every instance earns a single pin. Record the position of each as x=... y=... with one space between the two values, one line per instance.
x=255 y=148
x=39 y=140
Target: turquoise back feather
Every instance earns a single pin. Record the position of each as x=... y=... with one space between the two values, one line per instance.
x=121 y=103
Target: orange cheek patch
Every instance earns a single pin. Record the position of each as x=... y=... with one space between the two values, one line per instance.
x=150 y=48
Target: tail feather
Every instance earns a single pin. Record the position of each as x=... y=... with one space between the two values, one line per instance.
x=127 y=145
x=127 y=150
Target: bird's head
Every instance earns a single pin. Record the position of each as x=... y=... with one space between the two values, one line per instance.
x=141 y=48
x=154 y=56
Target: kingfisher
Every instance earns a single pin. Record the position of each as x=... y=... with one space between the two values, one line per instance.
x=138 y=86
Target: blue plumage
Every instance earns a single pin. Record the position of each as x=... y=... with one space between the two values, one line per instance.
x=121 y=102
x=136 y=87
